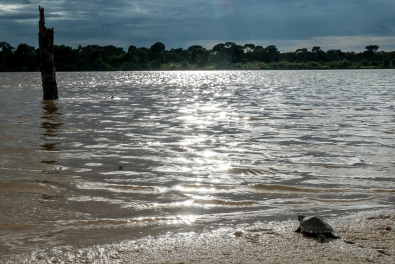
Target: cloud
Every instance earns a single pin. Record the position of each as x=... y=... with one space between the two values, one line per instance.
x=179 y=23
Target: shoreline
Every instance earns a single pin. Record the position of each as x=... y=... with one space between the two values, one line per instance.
x=366 y=237
x=212 y=70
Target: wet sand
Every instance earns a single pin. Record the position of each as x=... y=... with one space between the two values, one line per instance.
x=367 y=237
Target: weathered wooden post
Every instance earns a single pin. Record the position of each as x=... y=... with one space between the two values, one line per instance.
x=46 y=56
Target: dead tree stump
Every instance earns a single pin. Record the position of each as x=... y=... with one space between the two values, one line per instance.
x=46 y=55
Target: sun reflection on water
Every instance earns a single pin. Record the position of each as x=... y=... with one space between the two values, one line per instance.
x=195 y=145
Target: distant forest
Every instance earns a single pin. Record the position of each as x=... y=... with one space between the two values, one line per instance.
x=223 y=56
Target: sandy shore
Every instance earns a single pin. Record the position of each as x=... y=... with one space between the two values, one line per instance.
x=367 y=237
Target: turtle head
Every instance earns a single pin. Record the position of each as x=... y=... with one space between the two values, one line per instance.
x=301 y=217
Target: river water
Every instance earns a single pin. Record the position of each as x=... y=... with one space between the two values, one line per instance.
x=177 y=151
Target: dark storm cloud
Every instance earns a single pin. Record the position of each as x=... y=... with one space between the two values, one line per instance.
x=181 y=23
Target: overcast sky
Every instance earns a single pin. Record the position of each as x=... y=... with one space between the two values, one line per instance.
x=288 y=24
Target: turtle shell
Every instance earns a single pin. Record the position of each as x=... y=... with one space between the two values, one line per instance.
x=315 y=225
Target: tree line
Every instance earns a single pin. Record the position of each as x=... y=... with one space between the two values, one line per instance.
x=223 y=56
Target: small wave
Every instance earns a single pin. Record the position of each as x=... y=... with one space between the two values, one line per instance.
x=247 y=171
x=117 y=188
x=121 y=172
x=137 y=220
x=252 y=118
x=107 y=222
x=384 y=191
x=343 y=200
x=218 y=202
x=82 y=170
x=179 y=149
x=284 y=188
x=93 y=164
x=332 y=166
x=203 y=187
x=19 y=187
x=271 y=109
x=135 y=188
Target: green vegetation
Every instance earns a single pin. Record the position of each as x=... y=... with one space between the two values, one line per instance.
x=223 y=56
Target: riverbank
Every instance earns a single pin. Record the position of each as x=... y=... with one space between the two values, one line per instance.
x=367 y=237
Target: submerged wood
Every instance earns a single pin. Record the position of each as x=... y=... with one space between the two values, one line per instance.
x=46 y=56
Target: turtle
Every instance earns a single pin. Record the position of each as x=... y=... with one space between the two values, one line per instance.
x=315 y=226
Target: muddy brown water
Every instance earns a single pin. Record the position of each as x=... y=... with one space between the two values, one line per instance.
x=181 y=151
